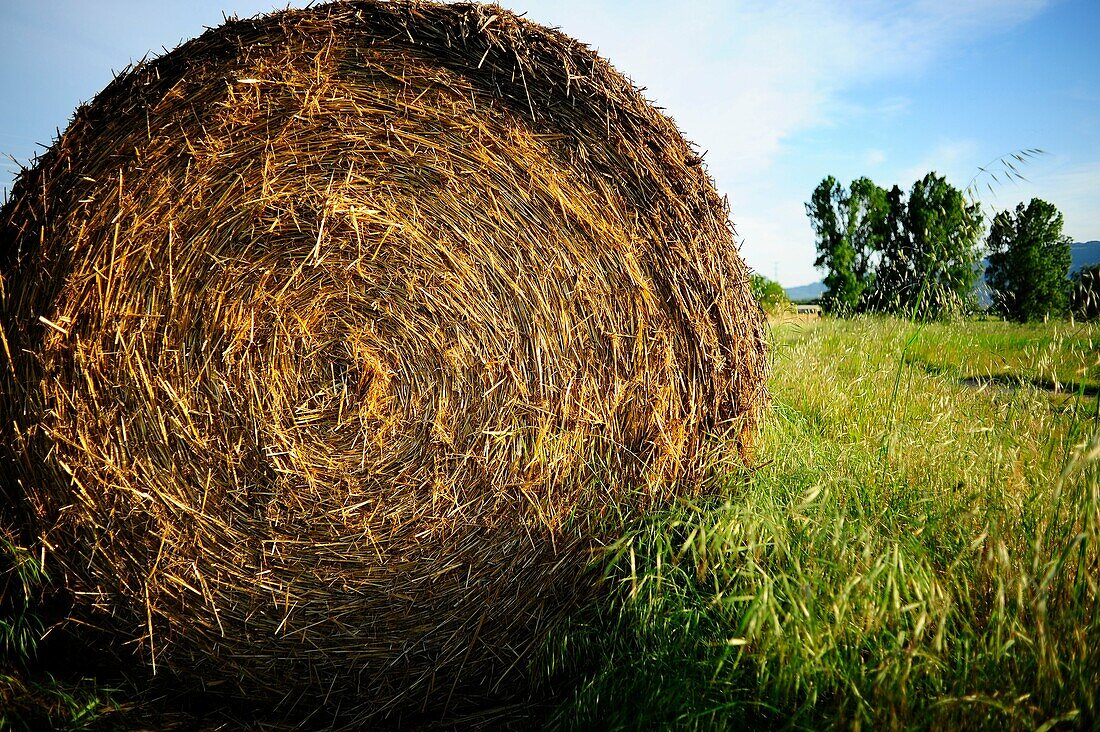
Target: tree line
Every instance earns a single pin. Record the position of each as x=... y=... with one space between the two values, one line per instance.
x=920 y=254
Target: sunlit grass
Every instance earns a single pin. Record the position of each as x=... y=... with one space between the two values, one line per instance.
x=911 y=552
x=1057 y=355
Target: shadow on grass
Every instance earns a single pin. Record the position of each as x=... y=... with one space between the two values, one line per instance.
x=1014 y=381
x=1010 y=381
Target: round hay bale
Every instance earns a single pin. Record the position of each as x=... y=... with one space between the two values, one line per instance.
x=335 y=340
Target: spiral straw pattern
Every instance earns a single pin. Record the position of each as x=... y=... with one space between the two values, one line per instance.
x=336 y=340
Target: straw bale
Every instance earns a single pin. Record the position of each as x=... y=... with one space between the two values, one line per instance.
x=336 y=340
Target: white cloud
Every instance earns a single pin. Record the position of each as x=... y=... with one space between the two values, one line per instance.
x=742 y=78
x=748 y=74
x=885 y=108
x=874 y=157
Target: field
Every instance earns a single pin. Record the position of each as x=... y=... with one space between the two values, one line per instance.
x=1057 y=356
x=915 y=548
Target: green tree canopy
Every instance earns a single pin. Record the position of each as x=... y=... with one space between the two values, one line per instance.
x=828 y=212
x=867 y=224
x=895 y=273
x=943 y=229
x=769 y=293
x=1029 y=262
x=849 y=225
x=884 y=253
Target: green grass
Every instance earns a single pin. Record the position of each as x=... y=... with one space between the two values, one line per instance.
x=1056 y=355
x=47 y=702
x=31 y=698
x=911 y=552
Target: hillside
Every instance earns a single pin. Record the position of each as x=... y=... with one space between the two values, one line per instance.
x=805 y=293
x=1084 y=254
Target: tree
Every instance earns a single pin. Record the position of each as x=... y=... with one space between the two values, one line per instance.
x=884 y=253
x=828 y=212
x=848 y=225
x=895 y=272
x=943 y=230
x=769 y=293
x=867 y=215
x=1029 y=262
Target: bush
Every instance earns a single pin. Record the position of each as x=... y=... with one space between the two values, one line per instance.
x=769 y=293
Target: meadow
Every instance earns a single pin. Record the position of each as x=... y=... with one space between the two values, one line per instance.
x=915 y=547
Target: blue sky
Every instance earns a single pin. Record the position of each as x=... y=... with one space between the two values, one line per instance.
x=779 y=93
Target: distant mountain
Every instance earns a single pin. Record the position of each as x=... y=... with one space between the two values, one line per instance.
x=1082 y=254
x=805 y=293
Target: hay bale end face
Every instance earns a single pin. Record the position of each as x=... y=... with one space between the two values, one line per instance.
x=335 y=340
